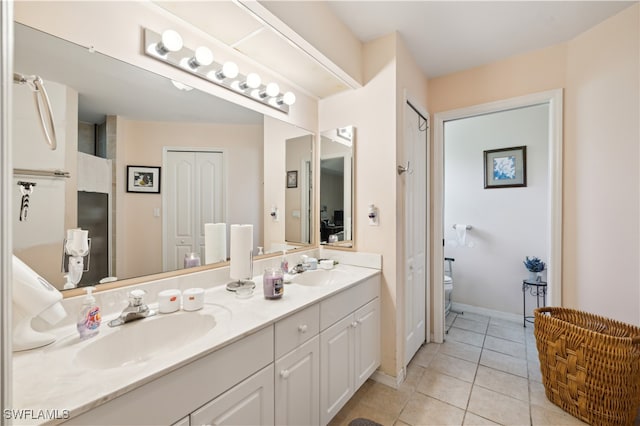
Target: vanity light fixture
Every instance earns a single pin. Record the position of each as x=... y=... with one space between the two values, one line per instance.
x=168 y=48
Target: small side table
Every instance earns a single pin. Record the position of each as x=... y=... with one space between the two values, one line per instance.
x=537 y=289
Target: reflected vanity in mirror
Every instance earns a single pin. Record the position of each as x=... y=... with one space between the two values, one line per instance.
x=182 y=143
x=336 y=186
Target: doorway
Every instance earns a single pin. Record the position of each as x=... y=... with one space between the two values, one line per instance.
x=193 y=194
x=553 y=223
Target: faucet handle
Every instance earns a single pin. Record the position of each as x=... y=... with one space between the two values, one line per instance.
x=135 y=297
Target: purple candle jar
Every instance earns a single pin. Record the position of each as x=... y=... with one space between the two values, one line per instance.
x=272 y=283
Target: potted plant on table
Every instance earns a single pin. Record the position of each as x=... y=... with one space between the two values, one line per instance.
x=535 y=266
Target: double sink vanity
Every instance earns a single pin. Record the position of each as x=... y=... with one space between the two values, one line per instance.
x=295 y=360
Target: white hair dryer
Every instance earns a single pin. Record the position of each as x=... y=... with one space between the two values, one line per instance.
x=33 y=296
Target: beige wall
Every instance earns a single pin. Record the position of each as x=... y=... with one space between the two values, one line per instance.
x=139 y=242
x=599 y=71
x=602 y=181
x=375 y=111
x=372 y=111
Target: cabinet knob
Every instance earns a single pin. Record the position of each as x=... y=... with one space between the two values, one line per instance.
x=181 y=241
x=302 y=328
x=284 y=374
x=354 y=324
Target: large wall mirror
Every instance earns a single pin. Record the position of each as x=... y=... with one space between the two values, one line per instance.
x=150 y=160
x=336 y=186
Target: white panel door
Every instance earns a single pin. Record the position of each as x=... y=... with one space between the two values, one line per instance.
x=210 y=195
x=297 y=384
x=194 y=195
x=415 y=233
x=337 y=376
x=248 y=403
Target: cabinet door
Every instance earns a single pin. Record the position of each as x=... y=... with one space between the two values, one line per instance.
x=337 y=377
x=367 y=341
x=298 y=385
x=248 y=403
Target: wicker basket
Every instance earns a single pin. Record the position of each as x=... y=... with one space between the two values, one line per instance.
x=590 y=365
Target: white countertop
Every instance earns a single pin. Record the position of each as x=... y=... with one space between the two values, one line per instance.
x=50 y=378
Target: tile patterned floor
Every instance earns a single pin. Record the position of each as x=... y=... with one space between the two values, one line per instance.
x=486 y=372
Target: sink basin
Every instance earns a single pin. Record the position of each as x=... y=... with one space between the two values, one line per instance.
x=318 y=277
x=140 y=340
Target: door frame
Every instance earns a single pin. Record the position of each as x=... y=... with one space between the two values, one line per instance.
x=163 y=177
x=554 y=98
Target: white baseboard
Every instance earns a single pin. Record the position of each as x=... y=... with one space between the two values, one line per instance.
x=461 y=307
x=390 y=381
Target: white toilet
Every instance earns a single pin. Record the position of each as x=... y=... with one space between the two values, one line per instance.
x=448 y=283
x=448 y=288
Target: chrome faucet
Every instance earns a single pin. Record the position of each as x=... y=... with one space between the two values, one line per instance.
x=134 y=311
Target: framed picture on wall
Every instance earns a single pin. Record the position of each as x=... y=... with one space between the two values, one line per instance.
x=143 y=179
x=505 y=167
x=292 y=179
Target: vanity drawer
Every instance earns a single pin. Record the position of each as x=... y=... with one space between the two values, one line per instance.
x=296 y=329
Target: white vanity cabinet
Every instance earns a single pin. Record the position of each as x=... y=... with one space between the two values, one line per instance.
x=297 y=368
x=297 y=385
x=248 y=403
x=350 y=347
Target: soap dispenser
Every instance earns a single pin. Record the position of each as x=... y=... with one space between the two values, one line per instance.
x=89 y=316
x=284 y=265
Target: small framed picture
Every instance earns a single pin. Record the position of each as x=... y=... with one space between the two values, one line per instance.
x=505 y=167
x=292 y=179
x=143 y=179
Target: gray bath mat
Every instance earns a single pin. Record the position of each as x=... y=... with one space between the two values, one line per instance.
x=363 y=422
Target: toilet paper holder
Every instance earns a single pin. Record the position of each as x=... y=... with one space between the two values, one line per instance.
x=468 y=227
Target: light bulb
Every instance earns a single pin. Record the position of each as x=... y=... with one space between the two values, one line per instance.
x=289 y=98
x=272 y=90
x=253 y=80
x=171 y=42
x=202 y=57
x=229 y=70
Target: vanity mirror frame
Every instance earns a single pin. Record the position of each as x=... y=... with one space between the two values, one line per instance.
x=347 y=245
x=163 y=275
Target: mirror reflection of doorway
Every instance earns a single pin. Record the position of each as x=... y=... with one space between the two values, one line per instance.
x=332 y=199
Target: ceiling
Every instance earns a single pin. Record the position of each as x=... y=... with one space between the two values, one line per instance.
x=443 y=36
x=450 y=36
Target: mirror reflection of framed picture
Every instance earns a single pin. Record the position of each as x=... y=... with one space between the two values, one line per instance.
x=292 y=179
x=143 y=179
x=505 y=167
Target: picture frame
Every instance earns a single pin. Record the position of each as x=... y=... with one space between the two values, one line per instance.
x=143 y=179
x=292 y=179
x=505 y=167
